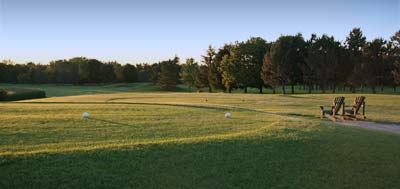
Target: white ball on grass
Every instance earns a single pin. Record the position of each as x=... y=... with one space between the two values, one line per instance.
x=85 y=115
x=228 y=115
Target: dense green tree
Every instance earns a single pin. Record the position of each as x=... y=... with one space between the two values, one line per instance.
x=62 y=71
x=216 y=80
x=169 y=74
x=208 y=60
x=320 y=62
x=239 y=66
x=94 y=67
x=283 y=61
x=89 y=71
x=214 y=71
x=298 y=54
x=267 y=73
x=201 y=77
x=40 y=74
x=9 y=72
x=344 y=68
x=129 y=73
x=117 y=68
x=74 y=68
x=308 y=68
x=355 y=43
x=230 y=67
x=250 y=54
x=326 y=58
x=107 y=73
x=144 y=72
x=155 y=72
x=24 y=78
x=373 y=62
x=144 y=75
x=3 y=71
x=189 y=71
x=394 y=58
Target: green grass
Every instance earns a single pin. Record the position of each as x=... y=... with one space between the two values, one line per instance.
x=24 y=94
x=182 y=140
x=69 y=90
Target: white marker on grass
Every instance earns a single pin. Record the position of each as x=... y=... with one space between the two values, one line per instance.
x=228 y=115
x=85 y=115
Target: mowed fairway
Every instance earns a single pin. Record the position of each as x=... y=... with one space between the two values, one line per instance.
x=183 y=140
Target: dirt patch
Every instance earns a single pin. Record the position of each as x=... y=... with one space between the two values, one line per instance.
x=393 y=128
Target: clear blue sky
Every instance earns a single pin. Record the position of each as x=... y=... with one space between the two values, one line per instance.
x=137 y=31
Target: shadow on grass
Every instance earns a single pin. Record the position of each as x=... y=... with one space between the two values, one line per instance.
x=307 y=160
x=292 y=96
x=210 y=107
x=111 y=122
x=144 y=103
x=302 y=115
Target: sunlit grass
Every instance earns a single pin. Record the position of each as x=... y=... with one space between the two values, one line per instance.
x=176 y=140
x=382 y=107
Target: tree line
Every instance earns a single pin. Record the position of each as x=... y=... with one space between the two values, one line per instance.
x=319 y=63
x=78 y=70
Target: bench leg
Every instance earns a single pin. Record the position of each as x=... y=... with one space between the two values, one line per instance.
x=364 y=111
x=322 y=114
x=332 y=118
x=340 y=118
x=359 y=116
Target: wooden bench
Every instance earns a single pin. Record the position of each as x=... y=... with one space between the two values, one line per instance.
x=353 y=113
x=333 y=112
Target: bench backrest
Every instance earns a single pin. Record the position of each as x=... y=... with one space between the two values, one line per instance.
x=337 y=104
x=358 y=102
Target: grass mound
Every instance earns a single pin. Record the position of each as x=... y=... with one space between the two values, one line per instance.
x=73 y=90
x=21 y=94
x=3 y=94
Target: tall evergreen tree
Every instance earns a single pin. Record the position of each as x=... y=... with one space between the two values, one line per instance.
x=189 y=71
x=267 y=73
x=394 y=58
x=308 y=68
x=373 y=62
x=201 y=77
x=216 y=80
x=208 y=60
x=230 y=71
x=326 y=58
x=169 y=74
x=355 y=43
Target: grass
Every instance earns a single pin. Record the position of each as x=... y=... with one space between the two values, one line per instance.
x=379 y=107
x=70 y=90
x=53 y=90
x=182 y=140
x=24 y=94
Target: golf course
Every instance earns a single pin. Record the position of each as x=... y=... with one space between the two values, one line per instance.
x=138 y=137
x=101 y=94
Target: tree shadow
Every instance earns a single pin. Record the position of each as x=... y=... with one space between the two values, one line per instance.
x=302 y=115
x=111 y=122
x=307 y=159
x=198 y=106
